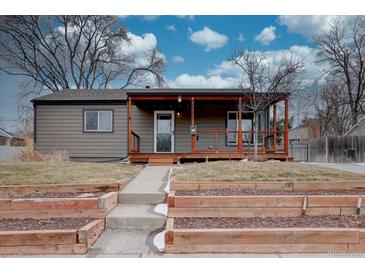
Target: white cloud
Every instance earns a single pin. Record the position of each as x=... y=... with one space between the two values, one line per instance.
x=178 y=59
x=189 y=17
x=208 y=38
x=200 y=81
x=241 y=37
x=266 y=36
x=171 y=28
x=150 y=17
x=307 y=54
x=138 y=46
x=306 y=25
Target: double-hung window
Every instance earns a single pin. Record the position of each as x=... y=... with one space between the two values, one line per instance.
x=98 y=120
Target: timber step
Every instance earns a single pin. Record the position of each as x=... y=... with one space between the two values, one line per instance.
x=160 y=161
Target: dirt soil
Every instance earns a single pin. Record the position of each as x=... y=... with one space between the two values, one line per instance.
x=53 y=195
x=329 y=221
x=43 y=224
x=258 y=192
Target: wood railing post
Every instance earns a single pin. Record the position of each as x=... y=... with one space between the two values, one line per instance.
x=274 y=128
x=193 y=136
x=286 y=136
x=129 y=125
x=239 y=146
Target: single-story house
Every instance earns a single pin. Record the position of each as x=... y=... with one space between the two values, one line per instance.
x=5 y=137
x=358 y=129
x=145 y=124
x=10 y=145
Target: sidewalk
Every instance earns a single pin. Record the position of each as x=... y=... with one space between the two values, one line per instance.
x=352 y=167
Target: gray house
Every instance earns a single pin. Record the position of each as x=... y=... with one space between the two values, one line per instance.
x=358 y=129
x=149 y=125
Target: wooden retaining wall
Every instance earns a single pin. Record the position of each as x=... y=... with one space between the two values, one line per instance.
x=262 y=206
x=39 y=242
x=40 y=208
x=56 y=188
x=263 y=240
x=284 y=185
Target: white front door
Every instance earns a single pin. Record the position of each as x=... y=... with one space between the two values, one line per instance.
x=164 y=130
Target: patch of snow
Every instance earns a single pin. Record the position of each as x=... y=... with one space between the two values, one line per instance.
x=159 y=241
x=161 y=209
x=167 y=188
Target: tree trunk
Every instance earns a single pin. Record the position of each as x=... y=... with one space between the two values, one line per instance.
x=255 y=136
x=354 y=116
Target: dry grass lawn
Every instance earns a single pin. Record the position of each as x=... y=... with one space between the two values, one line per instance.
x=235 y=171
x=16 y=173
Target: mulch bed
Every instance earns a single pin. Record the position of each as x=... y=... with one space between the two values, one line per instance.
x=242 y=192
x=43 y=224
x=328 y=221
x=53 y=195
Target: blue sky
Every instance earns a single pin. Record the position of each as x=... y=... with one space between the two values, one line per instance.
x=196 y=48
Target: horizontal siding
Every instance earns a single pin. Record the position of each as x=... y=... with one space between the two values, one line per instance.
x=60 y=127
x=142 y=125
x=206 y=118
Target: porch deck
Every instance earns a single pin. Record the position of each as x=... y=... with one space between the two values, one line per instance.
x=144 y=158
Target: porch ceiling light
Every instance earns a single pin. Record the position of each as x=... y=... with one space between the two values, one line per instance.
x=179 y=99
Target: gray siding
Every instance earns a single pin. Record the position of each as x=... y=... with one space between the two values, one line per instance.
x=60 y=127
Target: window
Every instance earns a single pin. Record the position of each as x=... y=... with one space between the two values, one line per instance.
x=98 y=120
x=232 y=125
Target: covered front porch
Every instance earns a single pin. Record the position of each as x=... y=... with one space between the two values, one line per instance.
x=200 y=127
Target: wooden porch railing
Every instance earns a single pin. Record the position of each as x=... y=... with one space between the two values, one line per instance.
x=135 y=142
x=216 y=141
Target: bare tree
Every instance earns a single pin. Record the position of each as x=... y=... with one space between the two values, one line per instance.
x=342 y=48
x=266 y=80
x=82 y=52
x=331 y=107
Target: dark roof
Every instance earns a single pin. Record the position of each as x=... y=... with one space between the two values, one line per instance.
x=84 y=95
x=122 y=94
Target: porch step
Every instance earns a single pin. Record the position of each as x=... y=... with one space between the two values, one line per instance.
x=160 y=161
x=136 y=217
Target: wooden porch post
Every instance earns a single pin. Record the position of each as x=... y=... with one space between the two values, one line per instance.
x=286 y=137
x=193 y=136
x=274 y=128
x=129 y=125
x=239 y=147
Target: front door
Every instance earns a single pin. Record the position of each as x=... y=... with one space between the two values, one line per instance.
x=164 y=129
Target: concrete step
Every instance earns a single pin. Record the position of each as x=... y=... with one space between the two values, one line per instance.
x=136 y=217
x=141 y=198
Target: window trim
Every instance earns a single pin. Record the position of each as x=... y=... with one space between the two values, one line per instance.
x=84 y=130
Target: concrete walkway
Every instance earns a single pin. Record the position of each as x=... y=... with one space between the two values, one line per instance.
x=132 y=225
x=352 y=167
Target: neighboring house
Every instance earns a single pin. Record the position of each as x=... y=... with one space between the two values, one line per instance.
x=304 y=133
x=5 y=137
x=358 y=129
x=145 y=124
x=10 y=145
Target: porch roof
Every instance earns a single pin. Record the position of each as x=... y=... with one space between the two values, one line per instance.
x=195 y=91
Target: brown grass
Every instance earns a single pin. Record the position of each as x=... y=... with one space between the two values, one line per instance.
x=14 y=173
x=33 y=155
x=235 y=171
